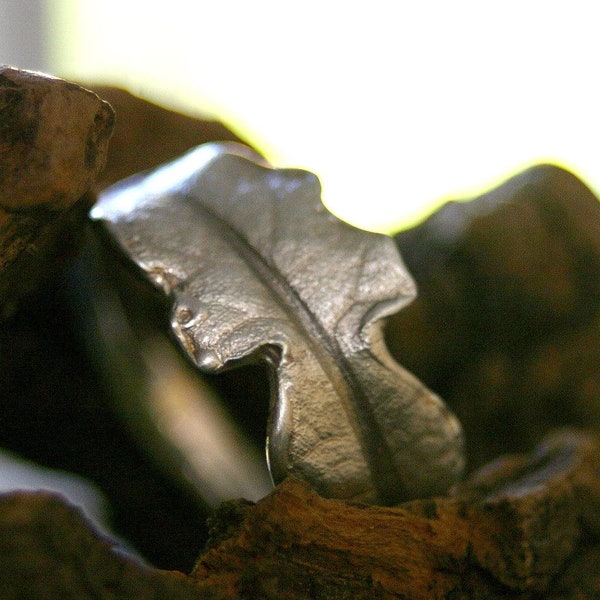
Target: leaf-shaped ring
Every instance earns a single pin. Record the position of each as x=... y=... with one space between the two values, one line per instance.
x=257 y=269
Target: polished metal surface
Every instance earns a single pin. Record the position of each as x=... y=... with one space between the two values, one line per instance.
x=257 y=269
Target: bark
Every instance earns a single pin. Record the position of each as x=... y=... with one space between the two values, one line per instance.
x=53 y=143
x=513 y=530
x=527 y=526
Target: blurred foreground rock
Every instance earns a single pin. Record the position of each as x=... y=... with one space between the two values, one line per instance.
x=506 y=325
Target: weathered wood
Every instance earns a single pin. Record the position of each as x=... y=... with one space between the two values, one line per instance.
x=53 y=140
x=509 y=532
x=525 y=527
x=53 y=143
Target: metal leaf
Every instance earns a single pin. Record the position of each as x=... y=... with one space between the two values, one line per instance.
x=257 y=269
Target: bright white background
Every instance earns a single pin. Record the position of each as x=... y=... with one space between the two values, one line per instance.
x=395 y=105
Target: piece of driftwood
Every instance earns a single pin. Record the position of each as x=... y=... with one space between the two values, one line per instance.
x=525 y=527
x=505 y=324
x=513 y=530
x=53 y=143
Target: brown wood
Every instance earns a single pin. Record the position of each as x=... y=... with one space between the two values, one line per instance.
x=511 y=531
x=53 y=143
x=525 y=527
x=53 y=140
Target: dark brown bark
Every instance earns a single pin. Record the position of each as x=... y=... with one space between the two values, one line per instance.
x=525 y=527
x=514 y=530
x=505 y=326
x=53 y=143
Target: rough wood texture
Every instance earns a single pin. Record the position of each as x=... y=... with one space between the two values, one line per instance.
x=53 y=142
x=511 y=531
x=525 y=527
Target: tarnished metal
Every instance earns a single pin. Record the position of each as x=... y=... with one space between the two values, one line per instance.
x=257 y=269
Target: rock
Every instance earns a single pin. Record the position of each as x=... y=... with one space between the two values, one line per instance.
x=513 y=530
x=505 y=326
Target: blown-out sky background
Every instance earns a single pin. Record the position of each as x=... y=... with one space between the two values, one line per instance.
x=397 y=106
